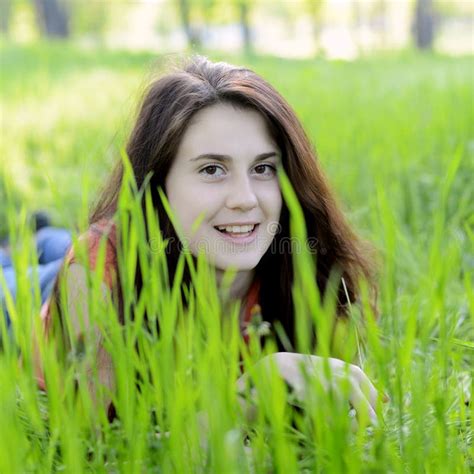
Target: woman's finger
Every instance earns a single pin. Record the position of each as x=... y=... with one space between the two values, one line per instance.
x=367 y=387
x=361 y=404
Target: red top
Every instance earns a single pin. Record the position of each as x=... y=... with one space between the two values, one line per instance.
x=93 y=238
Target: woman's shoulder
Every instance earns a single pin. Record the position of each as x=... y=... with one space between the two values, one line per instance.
x=98 y=244
x=94 y=249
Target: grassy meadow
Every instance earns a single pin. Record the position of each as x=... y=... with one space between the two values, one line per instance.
x=394 y=134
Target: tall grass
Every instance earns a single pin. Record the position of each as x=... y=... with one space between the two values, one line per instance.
x=395 y=136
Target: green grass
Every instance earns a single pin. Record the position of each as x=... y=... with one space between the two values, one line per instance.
x=395 y=136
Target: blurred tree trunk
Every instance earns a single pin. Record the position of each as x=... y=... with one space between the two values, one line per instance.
x=52 y=18
x=5 y=14
x=245 y=26
x=315 y=8
x=378 y=21
x=382 y=8
x=192 y=36
x=423 y=26
x=357 y=22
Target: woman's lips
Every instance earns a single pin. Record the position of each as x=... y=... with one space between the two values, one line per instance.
x=240 y=238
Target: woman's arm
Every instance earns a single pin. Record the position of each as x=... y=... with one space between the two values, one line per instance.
x=80 y=330
x=83 y=330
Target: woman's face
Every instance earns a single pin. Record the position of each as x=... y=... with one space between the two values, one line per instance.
x=223 y=186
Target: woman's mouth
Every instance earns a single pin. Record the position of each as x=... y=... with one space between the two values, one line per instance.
x=238 y=233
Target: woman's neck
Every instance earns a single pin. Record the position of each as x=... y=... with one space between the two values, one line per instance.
x=239 y=287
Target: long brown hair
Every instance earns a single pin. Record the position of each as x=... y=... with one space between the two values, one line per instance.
x=166 y=111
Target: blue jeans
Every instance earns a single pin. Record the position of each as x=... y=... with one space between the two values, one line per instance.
x=51 y=245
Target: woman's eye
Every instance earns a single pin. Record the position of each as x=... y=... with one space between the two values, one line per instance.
x=266 y=170
x=212 y=170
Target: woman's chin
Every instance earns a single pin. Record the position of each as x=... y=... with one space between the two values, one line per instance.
x=241 y=264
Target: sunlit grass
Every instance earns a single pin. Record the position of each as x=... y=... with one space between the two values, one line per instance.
x=395 y=136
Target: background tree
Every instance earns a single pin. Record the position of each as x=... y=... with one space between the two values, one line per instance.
x=5 y=15
x=52 y=17
x=423 y=27
x=191 y=13
x=357 y=22
x=244 y=21
x=378 y=20
x=315 y=12
x=89 y=18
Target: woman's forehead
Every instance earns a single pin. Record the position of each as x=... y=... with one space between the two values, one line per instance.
x=225 y=129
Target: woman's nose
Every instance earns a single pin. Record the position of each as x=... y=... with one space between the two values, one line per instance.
x=241 y=195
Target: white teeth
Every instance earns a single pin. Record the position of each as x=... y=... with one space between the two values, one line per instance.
x=237 y=229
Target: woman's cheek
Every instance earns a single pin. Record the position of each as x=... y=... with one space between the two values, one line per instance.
x=271 y=201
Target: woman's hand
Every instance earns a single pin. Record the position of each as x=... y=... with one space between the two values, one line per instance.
x=295 y=369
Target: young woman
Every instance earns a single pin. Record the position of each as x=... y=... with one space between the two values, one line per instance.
x=212 y=136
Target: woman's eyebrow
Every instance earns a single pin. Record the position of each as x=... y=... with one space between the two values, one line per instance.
x=227 y=158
